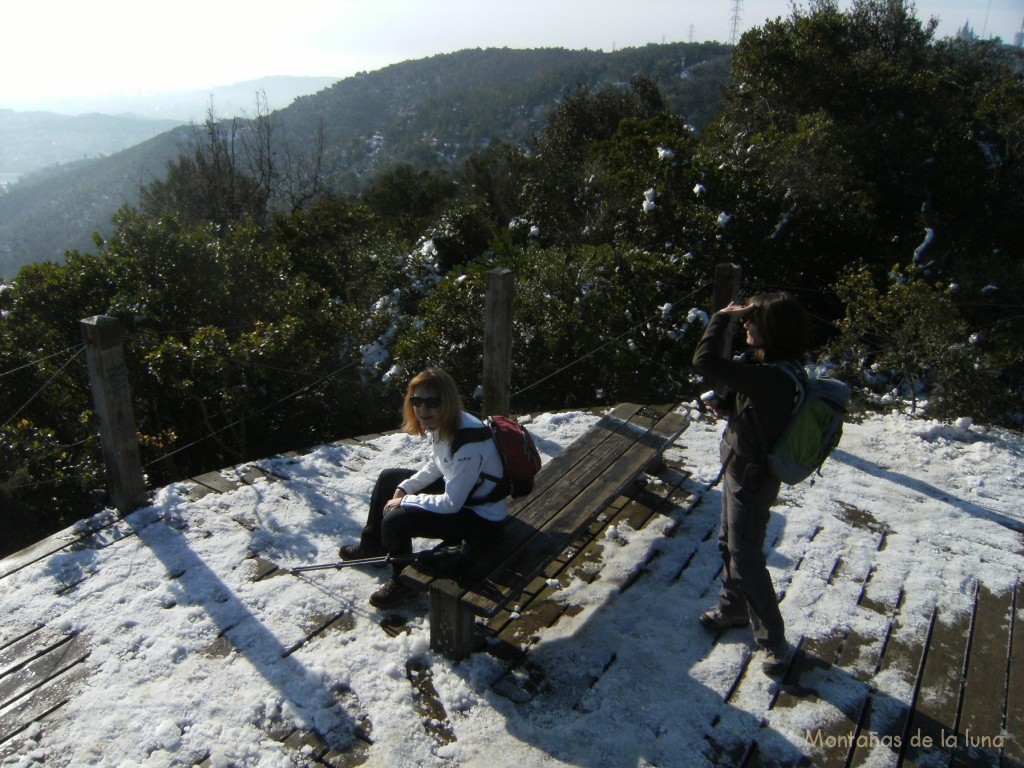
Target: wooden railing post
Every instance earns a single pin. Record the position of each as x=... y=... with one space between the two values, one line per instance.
x=727 y=285
x=725 y=291
x=497 y=382
x=111 y=395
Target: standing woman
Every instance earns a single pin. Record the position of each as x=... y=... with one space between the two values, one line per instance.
x=758 y=399
x=453 y=497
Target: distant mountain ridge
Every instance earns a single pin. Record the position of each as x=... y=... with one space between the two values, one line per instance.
x=31 y=141
x=230 y=100
x=35 y=139
x=432 y=112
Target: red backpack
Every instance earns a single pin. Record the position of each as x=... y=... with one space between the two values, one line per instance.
x=519 y=455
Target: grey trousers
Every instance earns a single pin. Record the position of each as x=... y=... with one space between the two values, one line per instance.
x=748 y=492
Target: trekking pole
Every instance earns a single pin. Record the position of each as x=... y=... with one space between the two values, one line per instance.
x=380 y=560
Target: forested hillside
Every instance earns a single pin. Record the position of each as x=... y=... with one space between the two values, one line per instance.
x=277 y=287
x=433 y=113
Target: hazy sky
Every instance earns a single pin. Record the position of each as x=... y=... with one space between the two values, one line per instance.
x=53 y=49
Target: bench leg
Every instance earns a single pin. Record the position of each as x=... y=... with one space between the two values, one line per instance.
x=451 y=625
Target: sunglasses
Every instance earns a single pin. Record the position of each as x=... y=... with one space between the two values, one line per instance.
x=429 y=402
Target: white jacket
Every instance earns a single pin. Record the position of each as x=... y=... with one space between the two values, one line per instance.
x=461 y=474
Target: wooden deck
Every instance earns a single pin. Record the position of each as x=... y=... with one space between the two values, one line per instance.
x=966 y=707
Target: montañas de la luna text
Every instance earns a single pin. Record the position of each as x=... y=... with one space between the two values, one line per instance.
x=944 y=740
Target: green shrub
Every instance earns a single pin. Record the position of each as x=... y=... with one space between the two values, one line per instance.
x=908 y=340
x=592 y=325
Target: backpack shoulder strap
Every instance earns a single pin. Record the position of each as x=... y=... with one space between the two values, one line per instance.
x=799 y=376
x=470 y=435
x=478 y=435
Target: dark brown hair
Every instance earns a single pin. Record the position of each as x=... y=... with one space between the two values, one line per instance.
x=783 y=324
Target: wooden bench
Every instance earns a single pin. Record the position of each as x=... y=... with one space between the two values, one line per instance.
x=570 y=491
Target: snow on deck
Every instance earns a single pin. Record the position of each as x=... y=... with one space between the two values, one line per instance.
x=174 y=637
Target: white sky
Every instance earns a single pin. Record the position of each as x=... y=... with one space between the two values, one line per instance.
x=53 y=49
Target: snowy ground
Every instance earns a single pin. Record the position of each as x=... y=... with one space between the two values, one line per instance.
x=630 y=680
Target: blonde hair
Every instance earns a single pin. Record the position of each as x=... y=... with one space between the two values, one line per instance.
x=440 y=382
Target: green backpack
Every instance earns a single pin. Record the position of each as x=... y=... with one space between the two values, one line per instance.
x=813 y=430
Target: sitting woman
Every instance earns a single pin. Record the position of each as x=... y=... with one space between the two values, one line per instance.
x=449 y=498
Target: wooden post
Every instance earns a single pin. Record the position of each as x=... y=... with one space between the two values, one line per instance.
x=726 y=289
x=498 y=341
x=112 y=397
x=451 y=624
x=727 y=285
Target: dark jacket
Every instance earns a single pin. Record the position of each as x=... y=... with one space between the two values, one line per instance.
x=761 y=396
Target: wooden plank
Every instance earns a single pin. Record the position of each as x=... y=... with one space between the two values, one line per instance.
x=861 y=654
x=306 y=742
x=848 y=730
x=594 y=452
x=623 y=457
x=194 y=491
x=859 y=657
x=815 y=653
x=542 y=611
x=216 y=482
x=804 y=682
x=317 y=623
x=641 y=507
x=251 y=474
x=883 y=717
x=21 y=744
x=933 y=720
x=68 y=652
x=516 y=571
x=429 y=706
x=578 y=451
x=28 y=646
x=50 y=545
x=617 y=474
x=42 y=701
x=1013 y=750
x=981 y=721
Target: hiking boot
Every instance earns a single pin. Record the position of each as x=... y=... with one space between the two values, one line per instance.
x=358 y=552
x=719 y=621
x=776 y=658
x=392 y=594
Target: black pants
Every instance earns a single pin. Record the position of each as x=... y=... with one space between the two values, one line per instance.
x=393 y=533
x=747 y=495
